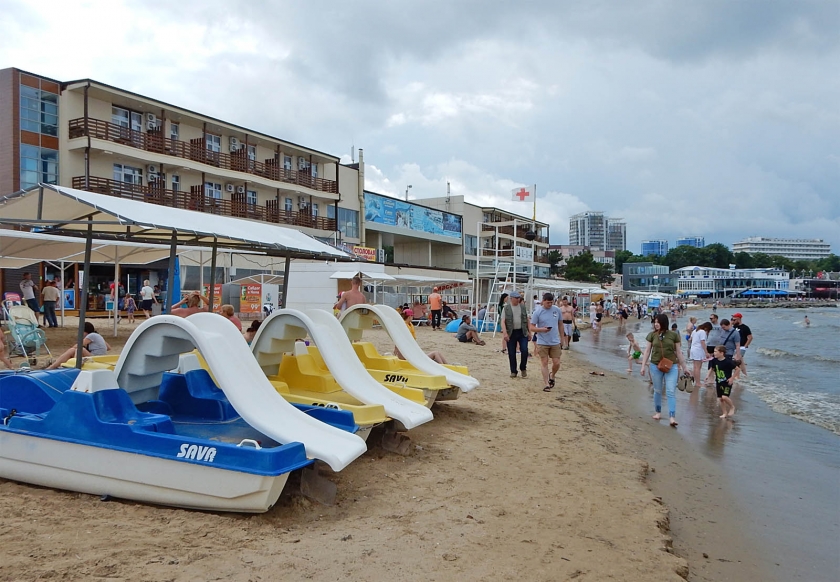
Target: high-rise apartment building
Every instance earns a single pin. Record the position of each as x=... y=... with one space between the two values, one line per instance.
x=588 y=229
x=92 y=136
x=692 y=241
x=793 y=248
x=616 y=234
x=657 y=248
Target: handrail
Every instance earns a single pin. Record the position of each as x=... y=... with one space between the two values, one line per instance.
x=269 y=212
x=196 y=150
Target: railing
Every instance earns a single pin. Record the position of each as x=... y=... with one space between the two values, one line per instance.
x=507 y=254
x=196 y=150
x=198 y=201
x=508 y=230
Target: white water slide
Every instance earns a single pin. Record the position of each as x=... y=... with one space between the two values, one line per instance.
x=155 y=348
x=360 y=317
x=277 y=336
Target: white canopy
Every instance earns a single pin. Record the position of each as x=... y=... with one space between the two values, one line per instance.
x=365 y=274
x=425 y=280
x=19 y=249
x=69 y=211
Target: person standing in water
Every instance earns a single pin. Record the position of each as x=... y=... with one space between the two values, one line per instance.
x=807 y=322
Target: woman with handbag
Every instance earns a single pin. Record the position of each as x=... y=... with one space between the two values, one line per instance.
x=663 y=351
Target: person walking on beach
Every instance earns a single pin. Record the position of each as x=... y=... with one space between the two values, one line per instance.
x=130 y=308
x=503 y=300
x=634 y=352
x=50 y=295
x=745 y=336
x=545 y=323
x=28 y=288
x=713 y=339
x=730 y=339
x=697 y=351
x=436 y=306
x=568 y=315
x=664 y=344
x=352 y=297
x=723 y=367
x=147 y=297
x=515 y=333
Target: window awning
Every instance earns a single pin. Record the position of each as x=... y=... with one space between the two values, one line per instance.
x=61 y=210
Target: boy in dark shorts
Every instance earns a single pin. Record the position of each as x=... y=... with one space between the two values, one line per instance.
x=723 y=367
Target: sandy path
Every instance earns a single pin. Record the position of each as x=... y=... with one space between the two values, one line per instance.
x=507 y=483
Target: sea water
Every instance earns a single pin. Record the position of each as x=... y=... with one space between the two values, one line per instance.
x=781 y=452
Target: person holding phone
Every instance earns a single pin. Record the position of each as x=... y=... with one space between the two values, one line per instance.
x=545 y=322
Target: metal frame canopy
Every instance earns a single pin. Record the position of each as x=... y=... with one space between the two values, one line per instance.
x=60 y=210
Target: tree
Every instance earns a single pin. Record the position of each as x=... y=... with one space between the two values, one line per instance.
x=744 y=260
x=584 y=268
x=831 y=263
x=621 y=257
x=554 y=258
x=717 y=255
x=762 y=261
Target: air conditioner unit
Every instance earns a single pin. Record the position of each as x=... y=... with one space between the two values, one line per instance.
x=230 y=188
x=240 y=189
x=151 y=125
x=302 y=205
x=234 y=142
x=302 y=199
x=152 y=169
x=301 y=163
x=234 y=148
x=151 y=117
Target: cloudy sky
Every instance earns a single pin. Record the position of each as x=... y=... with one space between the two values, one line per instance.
x=707 y=117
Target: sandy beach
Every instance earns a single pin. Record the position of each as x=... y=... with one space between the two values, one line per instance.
x=509 y=482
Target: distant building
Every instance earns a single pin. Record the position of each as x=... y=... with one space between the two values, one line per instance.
x=588 y=229
x=793 y=248
x=569 y=251
x=616 y=234
x=692 y=241
x=647 y=277
x=712 y=282
x=658 y=248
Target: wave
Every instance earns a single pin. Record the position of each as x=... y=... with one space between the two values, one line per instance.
x=776 y=353
x=815 y=408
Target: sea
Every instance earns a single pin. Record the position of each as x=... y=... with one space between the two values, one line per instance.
x=781 y=453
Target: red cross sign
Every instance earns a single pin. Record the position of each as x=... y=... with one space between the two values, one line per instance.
x=522 y=194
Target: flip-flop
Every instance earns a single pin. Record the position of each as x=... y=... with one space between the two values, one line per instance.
x=597 y=373
x=547 y=389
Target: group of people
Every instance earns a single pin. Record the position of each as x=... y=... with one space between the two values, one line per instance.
x=721 y=346
x=50 y=295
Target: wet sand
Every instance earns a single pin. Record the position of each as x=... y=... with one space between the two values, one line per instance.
x=509 y=482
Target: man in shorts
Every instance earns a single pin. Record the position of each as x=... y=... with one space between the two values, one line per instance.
x=545 y=323
x=436 y=306
x=745 y=336
x=568 y=315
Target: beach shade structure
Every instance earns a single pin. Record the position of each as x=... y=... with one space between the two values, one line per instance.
x=374 y=276
x=65 y=211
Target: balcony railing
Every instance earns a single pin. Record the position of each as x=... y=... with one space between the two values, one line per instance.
x=507 y=255
x=196 y=150
x=508 y=230
x=196 y=200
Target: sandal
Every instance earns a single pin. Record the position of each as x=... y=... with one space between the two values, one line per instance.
x=547 y=389
x=601 y=373
x=550 y=382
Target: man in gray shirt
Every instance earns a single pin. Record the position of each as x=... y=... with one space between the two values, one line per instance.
x=546 y=323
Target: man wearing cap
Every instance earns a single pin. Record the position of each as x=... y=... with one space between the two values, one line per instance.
x=744 y=344
x=515 y=332
x=436 y=306
x=546 y=323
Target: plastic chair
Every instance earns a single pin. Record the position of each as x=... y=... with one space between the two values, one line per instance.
x=26 y=337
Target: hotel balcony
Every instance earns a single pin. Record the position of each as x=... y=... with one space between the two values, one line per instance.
x=509 y=230
x=506 y=254
x=195 y=150
x=196 y=200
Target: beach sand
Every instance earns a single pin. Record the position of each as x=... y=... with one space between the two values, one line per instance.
x=508 y=482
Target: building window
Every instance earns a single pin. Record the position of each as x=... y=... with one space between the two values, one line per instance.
x=38 y=111
x=174 y=131
x=470 y=244
x=314 y=170
x=176 y=183
x=469 y=265
x=37 y=165
x=252 y=153
x=287 y=205
x=214 y=142
x=251 y=197
x=287 y=163
x=128 y=174
x=315 y=209
x=213 y=190
x=127 y=119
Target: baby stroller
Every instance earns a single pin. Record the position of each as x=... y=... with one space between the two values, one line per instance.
x=25 y=337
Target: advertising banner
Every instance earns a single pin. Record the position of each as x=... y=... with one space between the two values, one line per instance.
x=365 y=253
x=250 y=299
x=217 y=295
x=410 y=216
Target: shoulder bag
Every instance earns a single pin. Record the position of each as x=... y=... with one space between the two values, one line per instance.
x=664 y=364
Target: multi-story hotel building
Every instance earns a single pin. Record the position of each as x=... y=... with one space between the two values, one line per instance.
x=793 y=248
x=658 y=248
x=712 y=282
x=616 y=234
x=92 y=136
x=692 y=241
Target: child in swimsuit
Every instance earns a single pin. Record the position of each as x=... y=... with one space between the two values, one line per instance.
x=634 y=352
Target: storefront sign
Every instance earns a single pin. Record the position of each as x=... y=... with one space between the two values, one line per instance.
x=365 y=253
x=250 y=299
x=217 y=296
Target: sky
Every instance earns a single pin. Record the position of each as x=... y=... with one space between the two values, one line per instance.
x=718 y=118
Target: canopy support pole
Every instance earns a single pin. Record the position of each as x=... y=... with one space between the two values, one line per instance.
x=63 y=282
x=286 y=268
x=212 y=293
x=116 y=288
x=201 y=270
x=170 y=279
x=80 y=335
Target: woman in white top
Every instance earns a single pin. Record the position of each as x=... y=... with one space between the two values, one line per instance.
x=697 y=350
